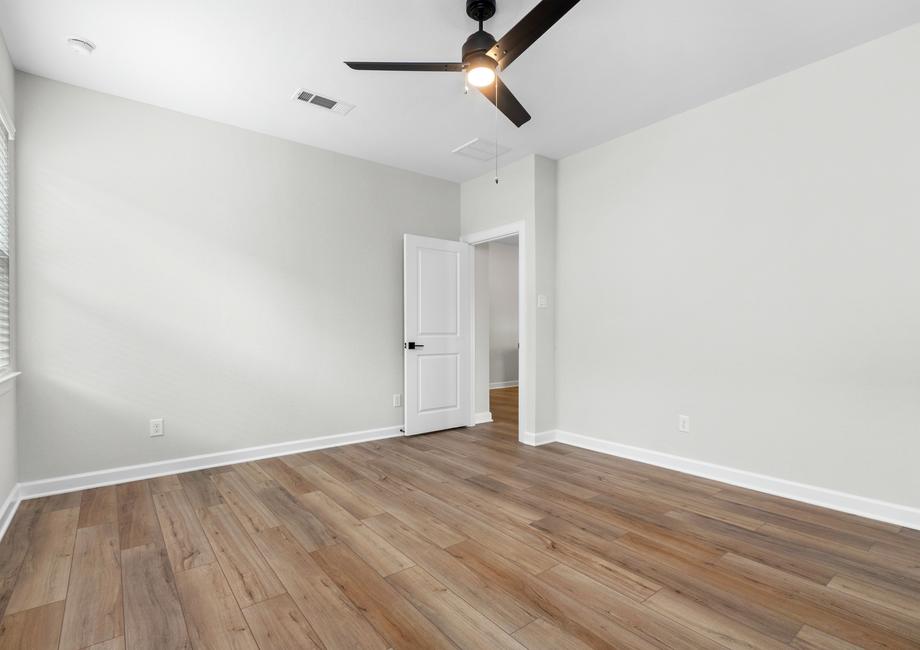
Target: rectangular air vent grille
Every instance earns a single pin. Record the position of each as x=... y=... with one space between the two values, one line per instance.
x=332 y=105
x=479 y=149
x=325 y=102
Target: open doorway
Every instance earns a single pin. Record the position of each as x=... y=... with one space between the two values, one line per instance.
x=497 y=334
x=446 y=385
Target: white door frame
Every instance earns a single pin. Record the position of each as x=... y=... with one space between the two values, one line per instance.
x=483 y=236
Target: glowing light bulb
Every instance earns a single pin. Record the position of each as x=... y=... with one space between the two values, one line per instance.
x=481 y=76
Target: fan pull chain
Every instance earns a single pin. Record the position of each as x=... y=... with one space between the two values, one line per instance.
x=496 y=127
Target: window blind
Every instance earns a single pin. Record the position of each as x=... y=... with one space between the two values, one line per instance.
x=4 y=250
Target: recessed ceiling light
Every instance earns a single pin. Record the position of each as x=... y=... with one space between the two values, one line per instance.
x=81 y=46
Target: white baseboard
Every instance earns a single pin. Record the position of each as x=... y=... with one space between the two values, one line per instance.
x=115 y=475
x=891 y=513
x=8 y=509
x=537 y=439
x=482 y=418
x=503 y=384
x=899 y=515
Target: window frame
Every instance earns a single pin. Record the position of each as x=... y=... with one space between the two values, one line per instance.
x=8 y=132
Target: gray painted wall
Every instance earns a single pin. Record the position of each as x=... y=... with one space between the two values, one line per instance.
x=544 y=273
x=751 y=263
x=482 y=317
x=495 y=295
x=755 y=264
x=244 y=288
x=7 y=78
x=517 y=197
x=503 y=312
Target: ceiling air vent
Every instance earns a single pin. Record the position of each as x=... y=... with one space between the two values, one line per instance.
x=333 y=105
x=479 y=149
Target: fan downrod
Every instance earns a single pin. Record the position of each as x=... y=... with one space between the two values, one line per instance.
x=480 y=10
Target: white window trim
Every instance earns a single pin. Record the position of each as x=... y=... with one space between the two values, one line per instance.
x=6 y=119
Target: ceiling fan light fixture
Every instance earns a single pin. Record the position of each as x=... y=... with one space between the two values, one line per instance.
x=480 y=71
x=481 y=76
x=482 y=56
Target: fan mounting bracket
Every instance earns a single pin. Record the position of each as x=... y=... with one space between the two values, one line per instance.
x=480 y=10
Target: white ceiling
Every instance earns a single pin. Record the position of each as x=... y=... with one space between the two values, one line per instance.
x=609 y=67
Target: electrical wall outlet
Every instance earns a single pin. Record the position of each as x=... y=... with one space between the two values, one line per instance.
x=542 y=301
x=397 y=400
x=683 y=423
x=156 y=428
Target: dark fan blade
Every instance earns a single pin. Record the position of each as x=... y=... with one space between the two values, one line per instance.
x=406 y=67
x=507 y=103
x=525 y=33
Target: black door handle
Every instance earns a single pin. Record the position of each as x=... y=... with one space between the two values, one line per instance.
x=412 y=345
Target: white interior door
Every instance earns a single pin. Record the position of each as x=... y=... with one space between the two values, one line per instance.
x=438 y=343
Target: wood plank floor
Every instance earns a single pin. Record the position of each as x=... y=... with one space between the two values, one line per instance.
x=458 y=539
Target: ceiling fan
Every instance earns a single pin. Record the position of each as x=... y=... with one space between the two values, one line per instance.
x=483 y=56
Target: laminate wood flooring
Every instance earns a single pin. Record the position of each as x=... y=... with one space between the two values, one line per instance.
x=463 y=538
